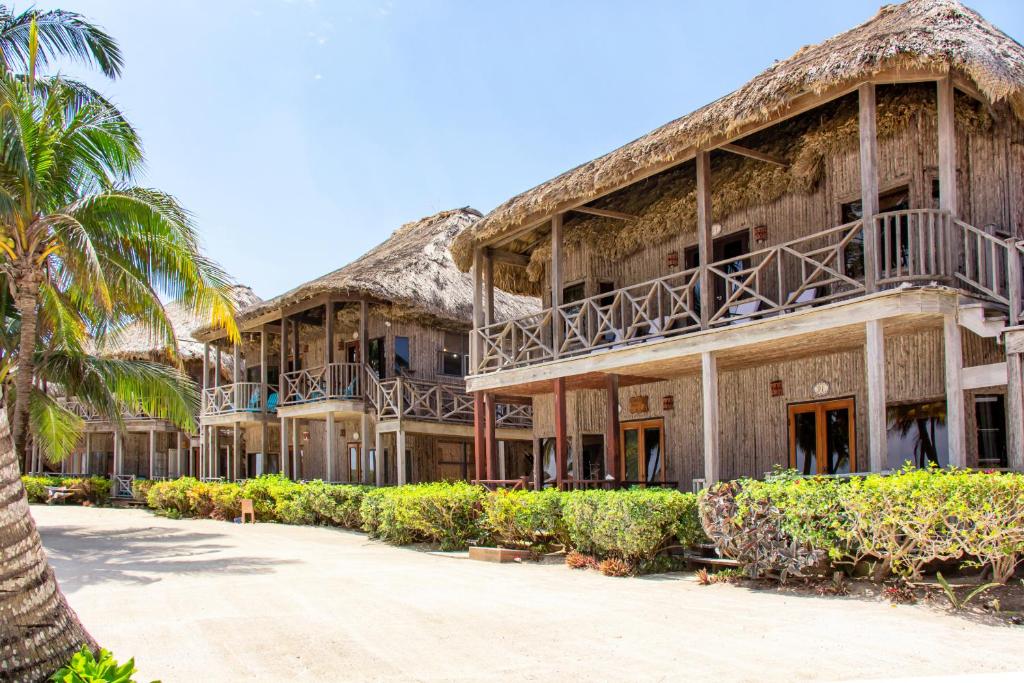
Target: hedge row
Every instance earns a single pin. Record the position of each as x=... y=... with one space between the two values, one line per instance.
x=903 y=524
x=634 y=525
x=91 y=490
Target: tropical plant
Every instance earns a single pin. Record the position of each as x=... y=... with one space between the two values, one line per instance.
x=85 y=667
x=59 y=34
x=955 y=601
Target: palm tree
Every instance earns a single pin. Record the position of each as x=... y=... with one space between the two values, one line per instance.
x=59 y=34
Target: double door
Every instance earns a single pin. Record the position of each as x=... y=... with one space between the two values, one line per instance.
x=822 y=437
x=643 y=451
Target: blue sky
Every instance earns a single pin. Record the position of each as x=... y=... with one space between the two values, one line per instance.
x=302 y=132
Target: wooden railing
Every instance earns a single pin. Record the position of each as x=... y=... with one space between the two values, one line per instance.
x=242 y=397
x=327 y=382
x=89 y=415
x=919 y=245
x=434 y=401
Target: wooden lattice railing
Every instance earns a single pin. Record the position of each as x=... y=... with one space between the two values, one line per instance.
x=326 y=382
x=919 y=245
x=240 y=397
x=89 y=415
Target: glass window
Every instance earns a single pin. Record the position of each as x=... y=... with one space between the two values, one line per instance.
x=990 y=414
x=454 y=354
x=631 y=454
x=550 y=465
x=642 y=457
x=593 y=457
x=353 y=462
x=917 y=434
x=402 y=357
x=652 y=453
x=375 y=351
x=805 y=443
x=822 y=437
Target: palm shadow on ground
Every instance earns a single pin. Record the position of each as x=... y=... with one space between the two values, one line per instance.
x=82 y=556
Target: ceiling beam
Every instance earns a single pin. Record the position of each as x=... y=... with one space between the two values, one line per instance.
x=604 y=213
x=511 y=257
x=754 y=154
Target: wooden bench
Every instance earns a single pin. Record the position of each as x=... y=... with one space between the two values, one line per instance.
x=55 y=494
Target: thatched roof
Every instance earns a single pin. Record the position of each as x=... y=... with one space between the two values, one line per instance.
x=939 y=35
x=412 y=271
x=136 y=340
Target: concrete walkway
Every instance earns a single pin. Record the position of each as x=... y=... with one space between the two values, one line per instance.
x=213 y=601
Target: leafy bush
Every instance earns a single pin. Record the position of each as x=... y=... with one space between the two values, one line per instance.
x=171 y=497
x=443 y=513
x=903 y=523
x=632 y=525
x=613 y=566
x=141 y=487
x=517 y=519
x=94 y=490
x=334 y=504
x=84 y=667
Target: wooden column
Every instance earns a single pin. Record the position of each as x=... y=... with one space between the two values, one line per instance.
x=365 y=427
x=205 y=404
x=295 y=344
x=118 y=454
x=955 y=423
x=479 y=438
x=400 y=456
x=295 y=462
x=869 y=181
x=178 y=455
x=332 y=447
x=152 y=453
x=538 y=466
x=281 y=383
x=215 y=452
x=491 y=448
x=1014 y=411
x=612 y=450
x=263 y=380
x=217 y=369
x=236 y=363
x=364 y=446
x=556 y=284
x=709 y=397
x=379 y=469
x=476 y=342
x=947 y=146
x=87 y=464
x=561 y=439
x=874 y=363
x=236 y=453
x=502 y=473
x=705 y=240
x=329 y=334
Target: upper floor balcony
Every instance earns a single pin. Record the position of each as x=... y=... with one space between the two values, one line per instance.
x=247 y=400
x=899 y=248
x=92 y=417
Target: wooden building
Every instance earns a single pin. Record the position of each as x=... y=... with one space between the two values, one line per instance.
x=357 y=376
x=820 y=270
x=143 y=446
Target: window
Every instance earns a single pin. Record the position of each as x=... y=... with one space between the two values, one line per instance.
x=401 y=355
x=571 y=294
x=897 y=199
x=917 y=434
x=822 y=437
x=454 y=354
x=355 y=470
x=550 y=464
x=643 y=447
x=990 y=414
x=375 y=351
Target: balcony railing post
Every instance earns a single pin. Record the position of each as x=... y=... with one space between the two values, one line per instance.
x=1014 y=270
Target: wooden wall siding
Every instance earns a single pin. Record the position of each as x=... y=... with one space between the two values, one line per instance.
x=753 y=425
x=991 y=190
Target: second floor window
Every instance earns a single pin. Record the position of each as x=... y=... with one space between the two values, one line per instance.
x=375 y=353
x=454 y=354
x=402 y=357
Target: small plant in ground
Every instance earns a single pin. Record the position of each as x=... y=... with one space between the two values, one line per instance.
x=837 y=586
x=84 y=667
x=613 y=566
x=704 y=578
x=577 y=560
x=899 y=593
x=954 y=601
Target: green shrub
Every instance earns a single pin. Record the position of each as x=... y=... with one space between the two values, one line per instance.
x=226 y=498
x=633 y=525
x=269 y=493
x=94 y=490
x=531 y=519
x=334 y=504
x=443 y=513
x=140 y=488
x=84 y=667
x=171 y=497
x=35 y=487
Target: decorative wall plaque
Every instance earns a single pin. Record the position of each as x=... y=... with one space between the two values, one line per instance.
x=668 y=402
x=638 y=404
x=821 y=388
x=776 y=387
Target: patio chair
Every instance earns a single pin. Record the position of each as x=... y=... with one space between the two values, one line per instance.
x=741 y=313
x=805 y=300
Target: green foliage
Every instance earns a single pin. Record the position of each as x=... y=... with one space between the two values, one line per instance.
x=84 y=667
x=92 y=490
x=141 y=487
x=633 y=525
x=443 y=513
x=518 y=519
x=956 y=602
x=901 y=523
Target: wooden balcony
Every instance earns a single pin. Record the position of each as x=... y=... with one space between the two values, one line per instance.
x=841 y=263
x=91 y=416
x=336 y=381
x=404 y=398
x=243 y=398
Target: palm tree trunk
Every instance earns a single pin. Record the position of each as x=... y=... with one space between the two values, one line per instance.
x=38 y=630
x=26 y=299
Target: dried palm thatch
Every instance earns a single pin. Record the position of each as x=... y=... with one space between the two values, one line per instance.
x=136 y=341
x=939 y=35
x=411 y=275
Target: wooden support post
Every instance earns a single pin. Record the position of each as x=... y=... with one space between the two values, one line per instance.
x=476 y=341
x=479 y=432
x=364 y=446
x=1015 y=412
x=152 y=453
x=401 y=456
x=118 y=453
x=709 y=396
x=215 y=450
x=869 y=181
x=236 y=453
x=491 y=448
x=705 y=240
x=613 y=467
x=561 y=439
x=264 y=454
x=296 y=459
x=295 y=344
x=281 y=393
x=87 y=463
x=502 y=474
x=285 y=441
x=874 y=362
x=217 y=369
x=329 y=334
x=236 y=364
x=380 y=467
x=538 y=466
x=556 y=284
x=364 y=390
x=263 y=383
x=1015 y=281
x=488 y=287
x=947 y=146
x=955 y=423
x=332 y=447
x=179 y=465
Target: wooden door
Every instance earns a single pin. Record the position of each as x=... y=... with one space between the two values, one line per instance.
x=355 y=464
x=352 y=352
x=643 y=451
x=452 y=462
x=822 y=437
